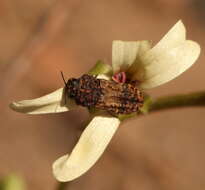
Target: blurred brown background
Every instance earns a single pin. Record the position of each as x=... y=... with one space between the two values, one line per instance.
x=161 y=151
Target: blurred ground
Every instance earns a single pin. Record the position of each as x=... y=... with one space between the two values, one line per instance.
x=40 y=38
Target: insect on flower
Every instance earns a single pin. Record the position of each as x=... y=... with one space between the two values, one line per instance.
x=109 y=95
x=136 y=66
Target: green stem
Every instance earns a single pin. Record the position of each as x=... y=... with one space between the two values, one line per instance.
x=185 y=100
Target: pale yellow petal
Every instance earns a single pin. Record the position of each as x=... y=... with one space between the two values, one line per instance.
x=50 y=103
x=125 y=53
x=161 y=67
x=174 y=37
x=89 y=148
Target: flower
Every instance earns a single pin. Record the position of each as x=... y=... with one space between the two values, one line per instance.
x=151 y=66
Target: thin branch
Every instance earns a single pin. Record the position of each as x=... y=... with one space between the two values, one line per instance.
x=176 y=101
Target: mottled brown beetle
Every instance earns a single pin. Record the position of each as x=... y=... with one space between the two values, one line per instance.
x=116 y=98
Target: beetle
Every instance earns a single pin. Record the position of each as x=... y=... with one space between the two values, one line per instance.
x=110 y=95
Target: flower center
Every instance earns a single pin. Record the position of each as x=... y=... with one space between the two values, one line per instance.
x=119 y=77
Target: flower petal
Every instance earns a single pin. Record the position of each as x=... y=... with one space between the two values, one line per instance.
x=50 y=103
x=163 y=66
x=174 y=37
x=89 y=148
x=125 y=53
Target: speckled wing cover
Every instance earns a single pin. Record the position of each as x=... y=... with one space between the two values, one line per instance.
x=116 y=98
x=119 y=98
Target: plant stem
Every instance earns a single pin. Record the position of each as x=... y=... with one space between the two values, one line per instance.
x=184 y=100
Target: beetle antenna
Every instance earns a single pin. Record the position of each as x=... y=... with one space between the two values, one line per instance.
x=63 y=78
x=66 y=86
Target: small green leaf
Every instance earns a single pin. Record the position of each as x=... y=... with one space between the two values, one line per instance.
x=123 y=117
x=12 y=182
x=101 y=68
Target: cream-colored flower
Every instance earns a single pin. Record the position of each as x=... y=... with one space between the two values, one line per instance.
x=170 y=57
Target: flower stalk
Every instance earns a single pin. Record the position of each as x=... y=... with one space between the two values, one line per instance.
x=176 y=101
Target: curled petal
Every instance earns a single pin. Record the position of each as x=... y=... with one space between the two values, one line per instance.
x=89 y=148
x=50 y=103
x=125 y=53
x=170 y=57
x=174 y=37
x=161 y=67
